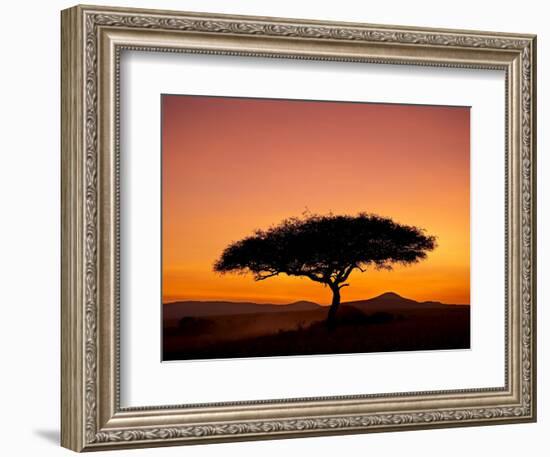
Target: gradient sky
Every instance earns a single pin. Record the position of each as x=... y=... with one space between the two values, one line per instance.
x=232 y=165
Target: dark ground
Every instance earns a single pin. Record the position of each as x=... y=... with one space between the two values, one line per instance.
x=385 y=323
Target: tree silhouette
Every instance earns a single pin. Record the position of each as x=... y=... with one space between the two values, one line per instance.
x=326 y=249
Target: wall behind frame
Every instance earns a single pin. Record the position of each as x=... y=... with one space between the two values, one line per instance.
x=29 y=232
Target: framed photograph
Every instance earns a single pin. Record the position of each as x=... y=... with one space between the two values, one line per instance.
x=281 y=228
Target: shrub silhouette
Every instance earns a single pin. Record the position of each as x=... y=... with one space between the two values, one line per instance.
x=326 y=249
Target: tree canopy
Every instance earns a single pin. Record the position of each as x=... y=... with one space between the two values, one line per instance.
x=326 y=249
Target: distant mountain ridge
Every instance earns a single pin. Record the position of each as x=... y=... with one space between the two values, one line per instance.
x=219 y=308
x=393 y=301
x=387 y=301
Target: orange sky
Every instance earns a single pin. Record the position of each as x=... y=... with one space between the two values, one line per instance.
x=231 y=165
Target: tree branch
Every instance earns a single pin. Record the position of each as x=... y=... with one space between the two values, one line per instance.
x=262 y=277
x=347 y=272
x=313 y=277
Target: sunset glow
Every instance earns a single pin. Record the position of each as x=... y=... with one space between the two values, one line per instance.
x=233 y=165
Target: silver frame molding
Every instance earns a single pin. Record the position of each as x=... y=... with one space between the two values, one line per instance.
x=92 y=41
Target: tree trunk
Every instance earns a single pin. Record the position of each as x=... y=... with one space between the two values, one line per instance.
x=331 y=318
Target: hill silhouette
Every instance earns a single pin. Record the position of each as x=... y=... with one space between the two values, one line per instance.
x=392 y=301
x=388 y=322
x=385 y=302
x=180 y=309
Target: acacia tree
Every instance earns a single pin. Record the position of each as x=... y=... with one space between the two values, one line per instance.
x=326 y=249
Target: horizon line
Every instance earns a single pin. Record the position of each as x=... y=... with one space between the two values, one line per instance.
x=179 y=300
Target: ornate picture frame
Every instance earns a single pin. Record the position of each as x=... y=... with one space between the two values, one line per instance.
x=93 y=39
